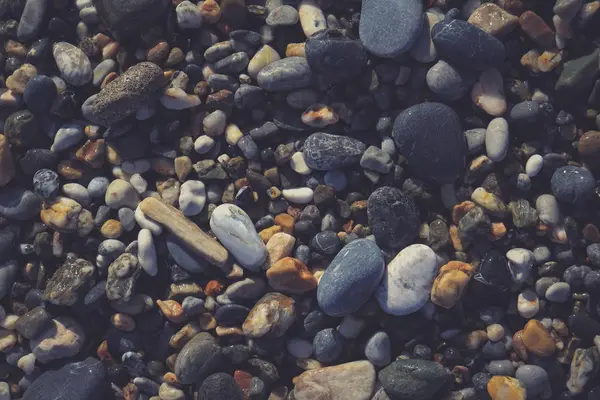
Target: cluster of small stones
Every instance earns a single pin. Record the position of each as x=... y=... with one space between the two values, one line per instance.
x=299 y=199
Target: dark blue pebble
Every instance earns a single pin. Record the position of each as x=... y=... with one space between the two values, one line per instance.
x=328 y=345
x=39 y=94
x=573 y=185
x=326 y=242
x=334 y=55
x=231 y=314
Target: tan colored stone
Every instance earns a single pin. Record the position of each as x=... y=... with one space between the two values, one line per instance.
x=450 y=283
x=353 y=380
x=495 y=332
x=185 y=334
x=123 y=322
x=63 y=339
x=490 y=202
x=171 y=309
x=537 y=339
x=7 y=166
x=183 y=166
x=267 y=233
x=187 y=231
x=62 y=215
x=279 y=246
x=287 y=222
x=210 y=11
x=8 y=340
x=17 y=81
x=476 y=339
x=295 y=50
x=290 y=275
x=111 y=229
x=493 y=20
x=92 y=153
x=506 y=388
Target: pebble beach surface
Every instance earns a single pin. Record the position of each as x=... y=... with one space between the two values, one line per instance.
x=300 y=200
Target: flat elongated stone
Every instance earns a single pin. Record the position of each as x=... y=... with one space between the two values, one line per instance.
x=234 y=228
x=389 y=28
x=324 y=152
x=287 y=74
x=353 y=380
x=188 y=232
x=467 y=46
x=408 y=279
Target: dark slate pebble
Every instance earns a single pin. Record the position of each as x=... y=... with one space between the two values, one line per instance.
x=39 y=94
x=430 y=136
x=593 y=253
x=584 y=327
x=525 y=111
x=125 y=18
x=7 y=241
x=466 y=45
x=199 y=357
x=231 y=314
x=31 y=20
x=248 y=97
x=393 y=217
x=493 y=271
x=33 y=322
x=267 y=130
x=40 y=51
x=220 y=386
x=325 y=152
x=577 y=77
x=334 y=55
x=236 y=354
x=328 y=345
x=389 y=28
x=573 y=185
x=8 y=272
x=83 y=380
x=19 y=204
x=414 y=379
x=350 y=279
x=326 y=242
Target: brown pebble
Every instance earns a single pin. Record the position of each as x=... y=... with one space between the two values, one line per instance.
x=286 y=222
x=229 y=331
x=460 y=210
x=112 y=154
x=159 y=53
x=455 y=238
x=15 y=49
x=537 y=30
x=591 y=234
x=213 y=288
x=184 y=335
x=210 y=11
x=71 y=169
x=170 y=361
x=495 y=332
x=506 y=388
x=101 y=39
x=267 y=233
x=290 y=275
x=171 y=309
x=92 y=153
x=111 y=229
x=537 y=339
x=175 y=57
x=123 y=322
x=280 y=246
x=110 y=50
x=183 y=166
x=493 y=20
x=450 y=283
x=519 y=346
x=295 y=50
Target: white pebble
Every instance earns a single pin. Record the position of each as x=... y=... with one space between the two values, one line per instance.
x=27 y=363
x=77 y=192
x=204 y=144
x=520 y=262
x=178 y=99
x=188 y=15
x=298 y=195
x=263 y=57
x=528 y=303
x=9 y=322
x=147 y=223
x=497 y=139
x=548 y=209
x=233 y=134
x=139 y=183
x=66 y=136
x=299 y=165
x=147 y=252
x=214 y=123
x=534 y=165
x=488 y=93
x=192 y=197
x=311 y=17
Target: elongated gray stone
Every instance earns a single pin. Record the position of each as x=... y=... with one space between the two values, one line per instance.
x=283 y=75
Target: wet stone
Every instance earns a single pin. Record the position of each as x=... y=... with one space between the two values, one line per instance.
x=63 y=287
x=123 y=274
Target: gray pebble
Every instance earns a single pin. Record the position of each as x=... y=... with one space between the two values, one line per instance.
x=127 y=218
x=535 y=380
x=475 y=140
x=378 y=349
x=97 y=186
x=501 y=367
x=559 y=292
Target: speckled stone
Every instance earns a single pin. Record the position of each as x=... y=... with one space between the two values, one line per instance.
x=393 y=217
x=413 y=379
x=74 y=65
x=324 y=152
x=573 y=185
x=351 y=278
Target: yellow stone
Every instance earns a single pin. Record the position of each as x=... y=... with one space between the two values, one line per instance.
x=506 y=388
x=450 y=283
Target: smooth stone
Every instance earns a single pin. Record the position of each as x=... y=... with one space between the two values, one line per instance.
x=548 y=209
x=192 y=197
x=84 y=380
x=285 y=75
x=98 y=186
x=535 y=379
x=446 y=81
x=378 y=349
x=328 y=345
x=493 y=19
x=121 y=193
x=19 y=204
x=102 y=70
x=73 y=64
x=423 y=50
x=465 y=45
x=198 y=358
x=354 y=380
x=501 y=367
x=559 y=292
x=31 y=20
x=33 y=323
x=431 y=131
x=577 y=76
x=334 y=55
x=64 y=338
x=178 y=99
x=188 y=15
x=413 y=379
x=263 y=57
x=351 y=278
x=184 y=257
x=525 y=111
x=406 y=285
x=393 y=217
x=127 y=19
x=497 y=139
x=8 y=273
x=39 y=94
x=299 y=348
x=573 y=185
x=389 y=28
x=270 y=317
x=488 y=93
x=298 y=195
x=130 y=92
x=147 y=252
x=234 y=229
x=67 y=136
x=528 y=303
x=220 y=386
x=520 y=263
x=284 y=15
x=324 y=152
x=534 y=165
x=311 y=17
x=77 y=192
x=377 y=160
x=475 y=140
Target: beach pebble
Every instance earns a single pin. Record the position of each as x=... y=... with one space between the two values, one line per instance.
x=389 y=28
x=188 y=15
x=73 y=64
x=198 y=358
x=67 y=136
x=63 y=338
x=497 y=139
x=284 y=75
x=298 y=195
x=146 y=222
x=328 y=345
x=534 y=165
x=311 y=17
x=393 y=217
x=220 y=386
x=535 y=379
x=234 y=229
x=528 y=303
x=572 y=185
x=423 y=50
x=413 y=379
x=346 y=284
x=559 y=292
x=446 y=81
x=271 y=316
x=192 y=197
x=548 y=209
x=488 y=93
x=147 y=252
x=378 y=349
x=407 y=281
x=263 y=57
x=520 y=263
x=325 y=152
x=121 y=193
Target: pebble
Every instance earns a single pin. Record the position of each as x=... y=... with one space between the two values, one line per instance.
x=535 y=379
x=572 y=185
x=328 y=345
x=494 y=20
x=189 y=15
x=465 y=45
x=192 y=197
x=390 y=28
x=423 y=50
x=298 y=164
x=46 y=183
x=506 y=387
x=64 y=338
x=263 y=57
x=393 y=216
x=488 y=93
x=451 y=281
x=298 y=195
x=377 y=160
x=198 y=358
x=534 y=165
x=324 y=152
x=446 y=81
x=284 y=15
x=559 y=292
x=350 y=380
x=289 y=275
x=284 y=75
x=520 y=263
x=497 y=139
x=147 y=252
x=548 y=209
x=416 y=264
x=413 y=379
x=39 y=94
x=537 y=339
x=325 y=51
x=418 y=138
x=311 y=17
x=121 y=193
x=67 y=136
x=271 y=316
x=73 y=64
x=378 y=349
x=346 y=285
x=583 y=367
x=230 y=224
x=220 y=386
x=33 y=323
